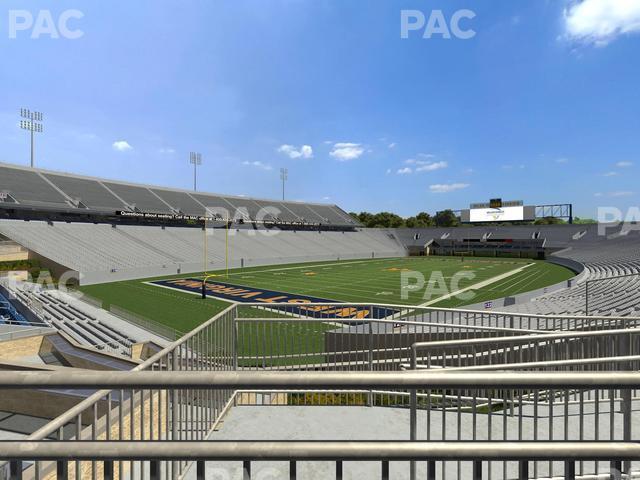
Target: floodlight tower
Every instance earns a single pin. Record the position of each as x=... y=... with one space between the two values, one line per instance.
x=195 y=159
x=31 y=123
x=284 y=176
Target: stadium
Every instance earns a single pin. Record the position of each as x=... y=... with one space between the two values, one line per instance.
x=142 y=278
x=320 y=240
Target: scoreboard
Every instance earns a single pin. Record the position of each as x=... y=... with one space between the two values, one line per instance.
x=497 y=210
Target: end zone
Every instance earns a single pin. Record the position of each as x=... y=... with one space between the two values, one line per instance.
x=232 y=293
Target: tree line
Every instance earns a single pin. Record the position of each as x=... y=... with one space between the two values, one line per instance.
x=445 y=218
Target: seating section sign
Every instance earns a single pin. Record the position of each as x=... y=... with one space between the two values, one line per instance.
x=297 y=304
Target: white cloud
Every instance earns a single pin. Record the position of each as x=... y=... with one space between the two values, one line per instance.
x=346 y=151
x=426 y=166
x=305 y=151
x=258 y=164
x=431 y=166
x=624 y=164
x=468 y=171
x=166 y=151
x=562 y=160
x=447 y=187
x=511 y=167
x=598 y=22
x=620 y=193
x=121 y=146
x=388 y=171
x=404 y=171
x=392 y=145
x=610 y=174
x=87 y=136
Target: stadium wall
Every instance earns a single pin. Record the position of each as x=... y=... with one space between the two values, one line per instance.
x=498 y=303
x=567 y=262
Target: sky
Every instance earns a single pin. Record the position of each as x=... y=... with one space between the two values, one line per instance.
x=540 y=104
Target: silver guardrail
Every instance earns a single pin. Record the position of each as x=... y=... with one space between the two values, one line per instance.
x=159 y=453
x=337 y=354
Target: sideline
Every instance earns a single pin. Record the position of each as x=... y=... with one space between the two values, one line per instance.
x=477 y=286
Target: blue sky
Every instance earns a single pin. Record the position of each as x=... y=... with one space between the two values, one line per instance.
x=540 y=105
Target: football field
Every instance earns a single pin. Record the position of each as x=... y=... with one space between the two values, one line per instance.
x=432 y=281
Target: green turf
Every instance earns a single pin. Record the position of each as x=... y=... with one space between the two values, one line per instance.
x=370 y=281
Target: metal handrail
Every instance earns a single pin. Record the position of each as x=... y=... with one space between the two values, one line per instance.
x=438 y=309
x=525 y=338
x=397 y=322
x=204 y=380
x=518 y=366
x=68 y=416
x=319 y=450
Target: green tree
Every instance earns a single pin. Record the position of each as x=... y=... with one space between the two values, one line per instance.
x=386 y=220
x=549 y=221
x=583 y=221
x=423 y=219
x=446 y=218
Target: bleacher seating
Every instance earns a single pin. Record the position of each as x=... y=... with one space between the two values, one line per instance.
x=44 y=189
x=89 y=192
x=76 y=322
x=102 y=252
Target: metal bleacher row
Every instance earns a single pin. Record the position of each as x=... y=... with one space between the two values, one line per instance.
x=76 y=322
x=35 y=188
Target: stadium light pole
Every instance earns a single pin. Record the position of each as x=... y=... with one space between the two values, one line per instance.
x=31 y=123
x=195 y=159
x=284 y=176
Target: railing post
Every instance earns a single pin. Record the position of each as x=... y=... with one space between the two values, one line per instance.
x=62 y=470
x=108 y=470
x=15 y=470
x=370 y=395
x=413 y=414
x=175 y=411
x=477 y=470
x=616 y=470
x=523 y=470
x=626 y=399
x=246 y=470
x=154 y=470
x=338 y=470
x=431 y=470
x=569 y=470
x=292 y=470
x=200 y=470
x=234 y=335
x=385 y=470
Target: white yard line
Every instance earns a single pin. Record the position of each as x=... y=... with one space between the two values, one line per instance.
x=477 y=286
x=335 y=264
